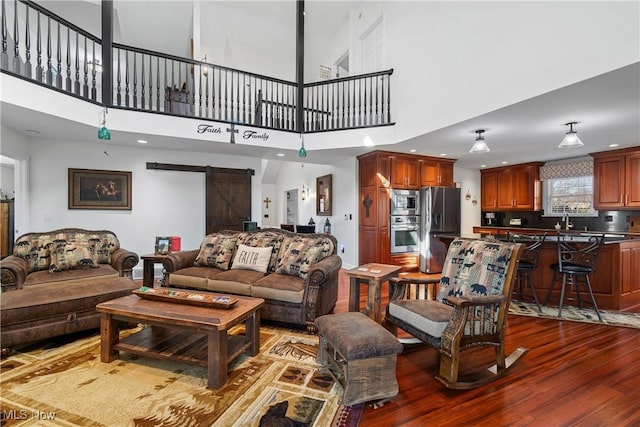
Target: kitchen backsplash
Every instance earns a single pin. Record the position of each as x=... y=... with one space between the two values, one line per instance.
x=605 y=221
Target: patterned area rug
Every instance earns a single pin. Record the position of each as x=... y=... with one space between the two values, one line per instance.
x=56 y=383
x=615 y=318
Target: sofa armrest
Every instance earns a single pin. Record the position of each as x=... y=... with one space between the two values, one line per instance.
x=178 y=260
x=321 y=293
x=124 y=260
x=14 y=271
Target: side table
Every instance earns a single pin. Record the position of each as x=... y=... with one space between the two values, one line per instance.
x=374 y=275
x=148 y=263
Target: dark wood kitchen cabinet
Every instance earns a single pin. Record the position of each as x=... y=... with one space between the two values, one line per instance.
x=378 y=172
x=489 y=190
x=436 y=173
x=512 y=188
x=617 y=179
x=405 y=172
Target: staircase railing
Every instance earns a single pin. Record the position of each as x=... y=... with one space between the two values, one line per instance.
x=67 y=60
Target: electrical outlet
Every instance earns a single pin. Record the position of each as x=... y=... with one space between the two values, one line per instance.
x=608 y=218
x=346 y=217
x=342 y=248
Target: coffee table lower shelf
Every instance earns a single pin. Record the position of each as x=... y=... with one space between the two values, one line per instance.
x=179 y=345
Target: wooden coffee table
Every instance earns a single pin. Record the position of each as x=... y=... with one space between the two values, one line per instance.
x=182 y=332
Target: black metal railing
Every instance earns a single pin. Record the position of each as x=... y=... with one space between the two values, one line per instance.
x=68 y=60
x=65 y=55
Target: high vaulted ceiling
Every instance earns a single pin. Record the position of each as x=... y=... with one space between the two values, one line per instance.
x=606 y=107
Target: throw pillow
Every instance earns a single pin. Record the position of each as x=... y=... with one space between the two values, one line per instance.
x=299 y=256
x=262 y=239
x=250 y=258
x=224 y=251
x=206 y=257
x=71 y=255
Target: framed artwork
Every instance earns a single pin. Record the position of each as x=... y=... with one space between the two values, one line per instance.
x=324 y=203
x=99 y=189
x=163 y=245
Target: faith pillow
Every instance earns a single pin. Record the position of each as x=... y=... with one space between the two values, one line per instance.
x=250 y=258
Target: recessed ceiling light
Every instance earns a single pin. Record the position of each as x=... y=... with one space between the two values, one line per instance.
x=483 y=166
x=443 y=154
x=143 y=141
x=280 y=154
x=413 y=150
x=504 y=163
x=613 y=145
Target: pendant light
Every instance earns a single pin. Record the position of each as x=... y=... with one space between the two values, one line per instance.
x=302 y=152
x=571 y=139
x=479 y=146
x=104 y=133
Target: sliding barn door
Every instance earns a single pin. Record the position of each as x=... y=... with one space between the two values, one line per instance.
x=228 y=199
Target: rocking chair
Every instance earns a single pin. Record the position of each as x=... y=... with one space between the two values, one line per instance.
x=470 y=309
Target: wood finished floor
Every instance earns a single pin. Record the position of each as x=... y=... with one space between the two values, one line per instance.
x=575 y=374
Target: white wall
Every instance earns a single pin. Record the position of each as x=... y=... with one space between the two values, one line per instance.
x=344 y=187
x=469 y=181
x=163 y=202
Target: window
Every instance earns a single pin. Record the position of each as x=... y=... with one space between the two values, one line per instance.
x=573 y=195
x=568 y=187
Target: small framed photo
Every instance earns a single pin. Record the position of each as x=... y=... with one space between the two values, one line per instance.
x=163 y=245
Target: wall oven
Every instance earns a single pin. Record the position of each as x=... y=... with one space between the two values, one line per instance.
x=405 y=202
x=405 y=233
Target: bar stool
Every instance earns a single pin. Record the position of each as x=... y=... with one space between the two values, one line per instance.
x=576 y=261
x=528 y=262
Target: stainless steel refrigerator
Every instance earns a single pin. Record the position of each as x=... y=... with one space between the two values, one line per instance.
x=439 y=214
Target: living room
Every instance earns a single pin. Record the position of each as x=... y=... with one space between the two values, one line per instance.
x=453 y=63
x=159 y=196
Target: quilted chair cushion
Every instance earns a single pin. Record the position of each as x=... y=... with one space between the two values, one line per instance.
x=474 y=268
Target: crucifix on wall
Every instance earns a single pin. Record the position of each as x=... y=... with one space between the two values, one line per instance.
x=233 y=131
x=266 y=201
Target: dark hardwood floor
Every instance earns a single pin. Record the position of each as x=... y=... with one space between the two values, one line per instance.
x=575 y=374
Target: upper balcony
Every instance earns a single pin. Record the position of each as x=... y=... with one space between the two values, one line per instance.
x=45 y=49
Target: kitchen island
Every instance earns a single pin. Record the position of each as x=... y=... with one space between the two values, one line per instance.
x=616 y=281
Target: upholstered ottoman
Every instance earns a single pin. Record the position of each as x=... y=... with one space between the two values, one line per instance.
x=360 y=354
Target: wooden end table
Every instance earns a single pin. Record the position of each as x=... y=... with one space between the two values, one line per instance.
x=175 y=327
x=148 y=267
x=374 y=275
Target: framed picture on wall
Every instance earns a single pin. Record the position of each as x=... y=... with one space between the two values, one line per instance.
x=99 y=189
x=324 y=202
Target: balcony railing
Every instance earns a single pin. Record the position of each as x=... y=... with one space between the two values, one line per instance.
x=67 y=59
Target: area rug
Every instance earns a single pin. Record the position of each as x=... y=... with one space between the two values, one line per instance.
x=615 y=318
x=66 y=384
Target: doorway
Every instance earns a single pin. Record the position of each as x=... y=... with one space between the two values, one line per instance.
x=291 y=206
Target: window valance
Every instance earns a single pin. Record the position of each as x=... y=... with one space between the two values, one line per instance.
x=567 y=169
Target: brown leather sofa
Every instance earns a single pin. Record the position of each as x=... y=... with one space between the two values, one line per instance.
x=298 y=278
x=53 y=281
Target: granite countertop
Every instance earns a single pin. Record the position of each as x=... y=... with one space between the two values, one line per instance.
x=610 y=236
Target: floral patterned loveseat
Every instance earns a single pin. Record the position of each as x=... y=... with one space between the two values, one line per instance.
x=296 y=274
